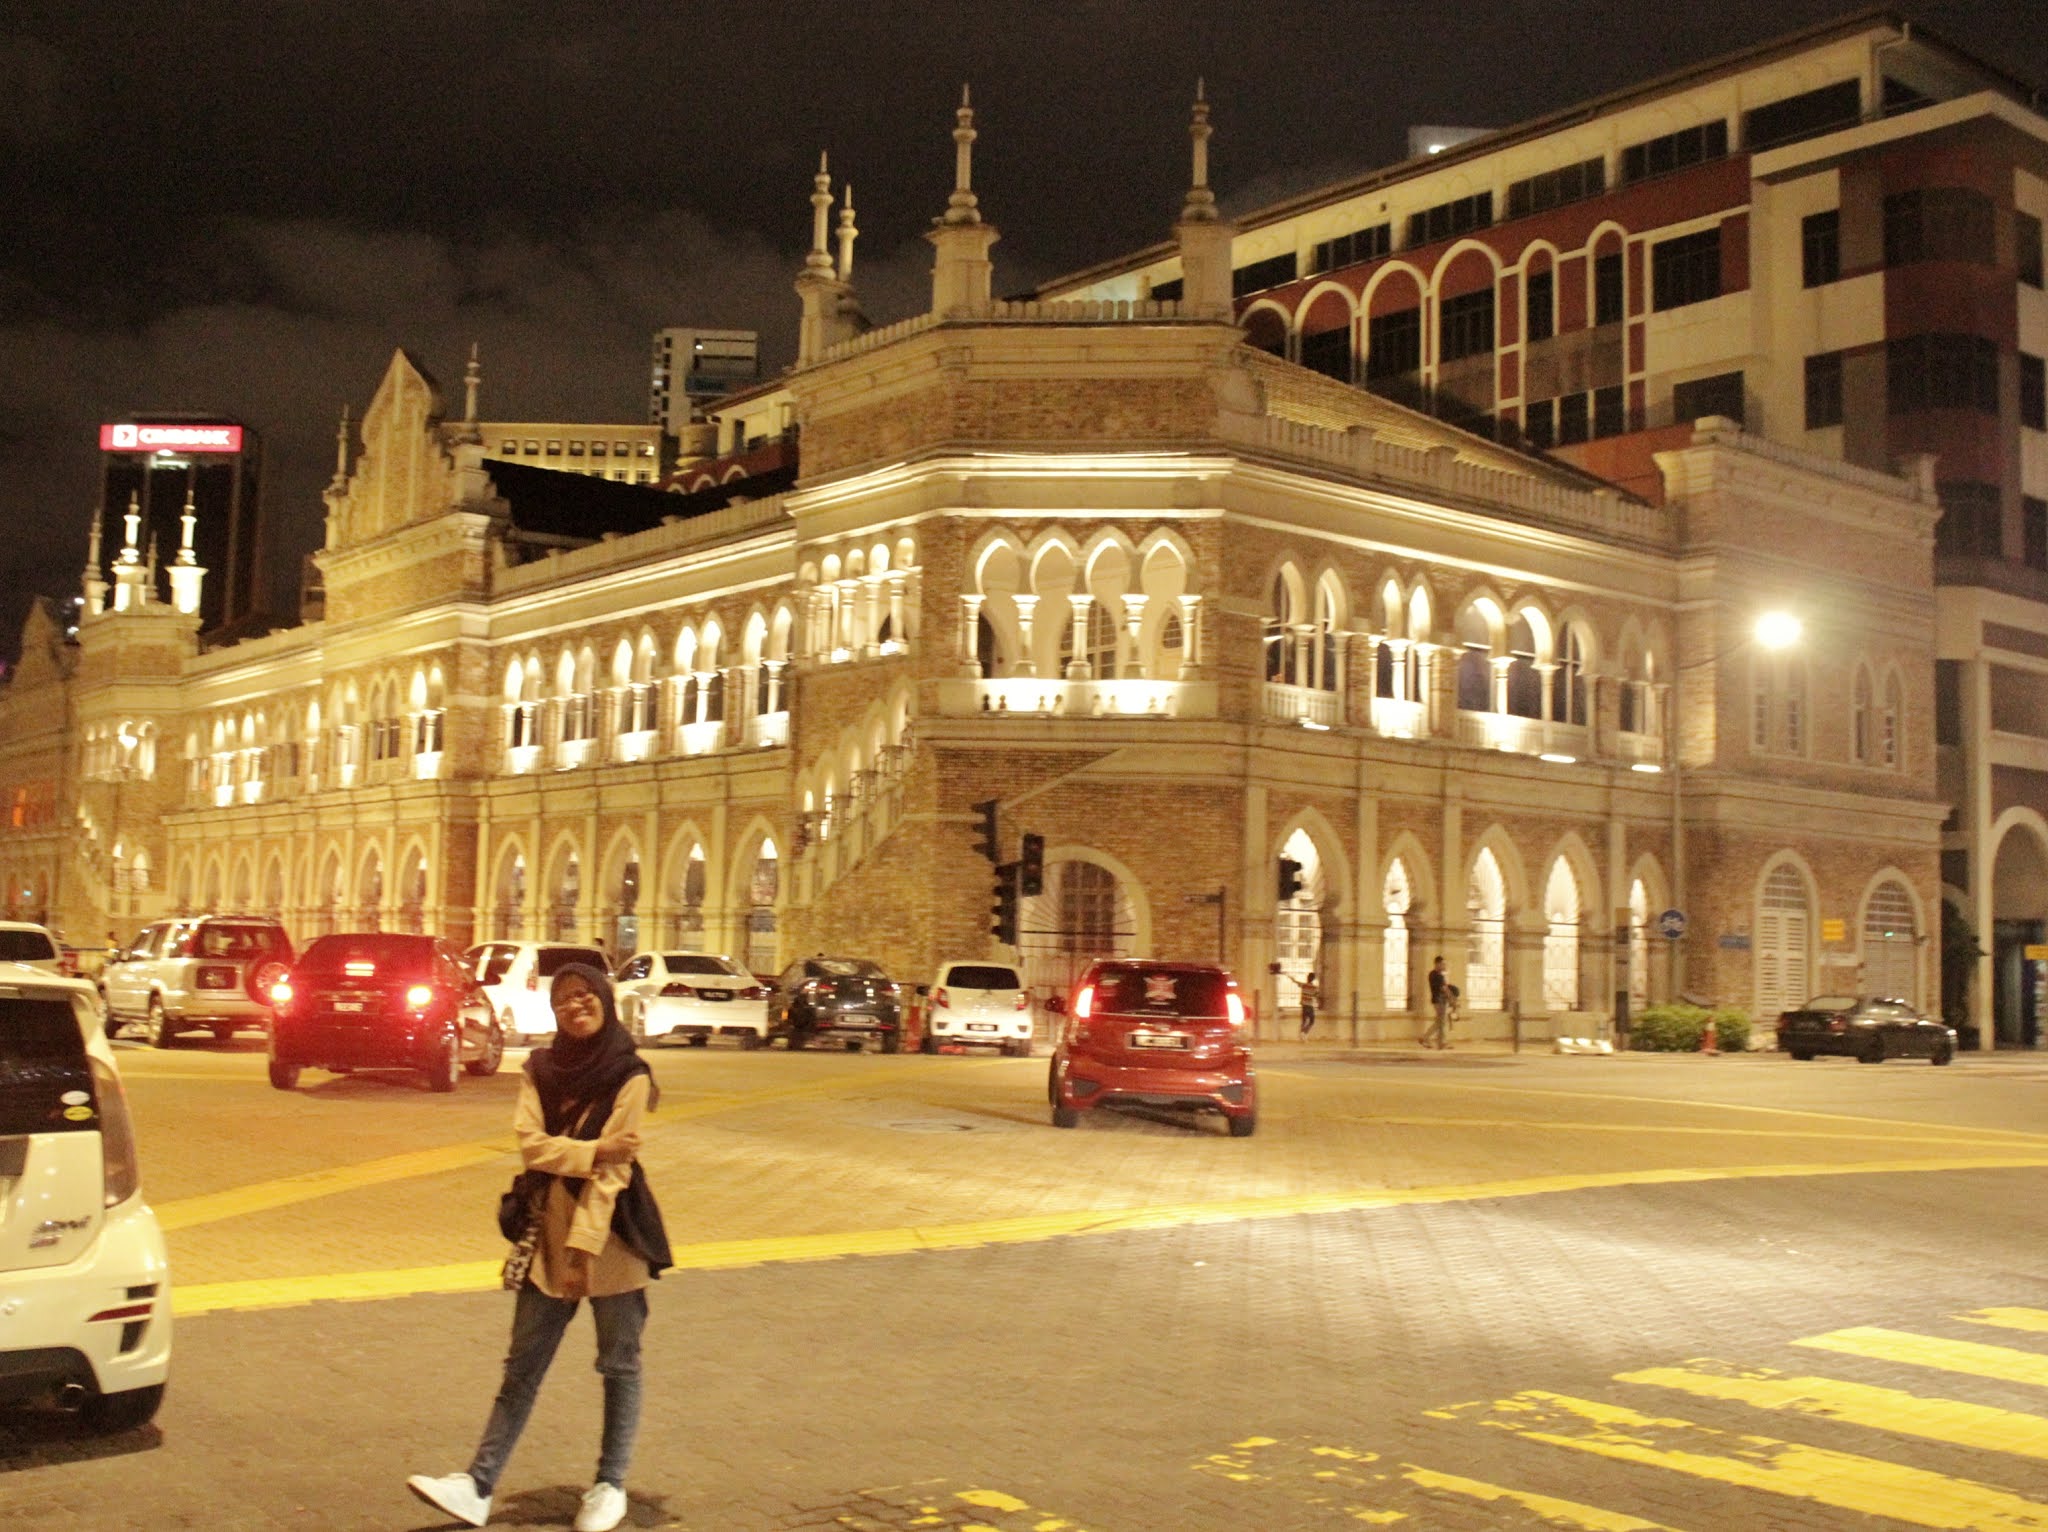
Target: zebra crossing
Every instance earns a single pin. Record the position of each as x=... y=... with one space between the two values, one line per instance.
x=1954 y=1437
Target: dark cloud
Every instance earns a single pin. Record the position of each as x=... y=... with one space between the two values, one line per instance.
x=218 y=204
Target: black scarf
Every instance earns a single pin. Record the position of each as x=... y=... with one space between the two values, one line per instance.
x=578 y=1079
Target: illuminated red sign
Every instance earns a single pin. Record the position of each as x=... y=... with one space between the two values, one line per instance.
x=147 y=438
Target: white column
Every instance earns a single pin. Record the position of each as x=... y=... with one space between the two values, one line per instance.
x=1079 y=669
x=1027 y=606
x=1134 y=617
x=970 y=630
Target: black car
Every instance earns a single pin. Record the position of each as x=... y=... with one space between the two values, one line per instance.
x=379 y=1000
x=1867 y=1028
x=850 y=999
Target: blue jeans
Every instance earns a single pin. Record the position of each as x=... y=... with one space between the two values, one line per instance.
x=537 y=1325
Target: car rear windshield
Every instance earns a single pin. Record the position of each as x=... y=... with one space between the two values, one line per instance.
x=26 y=947
x=845 y=968
x=368 y=956
x=695 y=962
x=45 y=1082
x=234 y=940
x=1830 y=1003
x=552 y=959
x=982 y=976
x=1156 y=992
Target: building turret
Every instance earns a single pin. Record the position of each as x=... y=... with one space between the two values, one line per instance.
x=472 y=379
x=1204 y=235
x=94 y=583
x=187 y=574
x=961 y=273
x=821 y=289
x=131 y=580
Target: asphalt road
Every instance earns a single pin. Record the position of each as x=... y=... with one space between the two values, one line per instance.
x=1447 y=1292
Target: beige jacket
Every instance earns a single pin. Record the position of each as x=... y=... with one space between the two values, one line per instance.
x=581 y=1223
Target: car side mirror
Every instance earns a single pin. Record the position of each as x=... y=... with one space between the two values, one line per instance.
x=1056 y=1004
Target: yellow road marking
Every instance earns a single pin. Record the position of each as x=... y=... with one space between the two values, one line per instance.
x=2035 y=1320
x=1971 y=1357
x=1736 y=1130
x=1031 y=1228
x=1840 y=1479
x=1885 y=1409
x=1566 y=1512
x=264 y=1195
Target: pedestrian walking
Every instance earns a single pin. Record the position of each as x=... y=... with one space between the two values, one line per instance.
x=591 y=1229
x=1442 y=995
x=1311 y=997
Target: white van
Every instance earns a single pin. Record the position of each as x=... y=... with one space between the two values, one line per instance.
x=983 y=1004
x=85 y=1284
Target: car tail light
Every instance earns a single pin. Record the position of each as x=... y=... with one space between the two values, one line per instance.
x=67 y=962
x=1838 y=1024
x=889 y=987
x=120 y=1171
x=281 y=994
x=1023 y=1000
x=1084 y=1002
x=1234 y=1004
x=679 y=991
x=941 y=1000
x=753 y=992
x=420 y=996
x=533 y=979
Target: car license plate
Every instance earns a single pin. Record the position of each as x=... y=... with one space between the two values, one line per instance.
x=348 y=1005
x=714 y=994
x=981 y=1026
x=858 y=1019
x=1158 y=1040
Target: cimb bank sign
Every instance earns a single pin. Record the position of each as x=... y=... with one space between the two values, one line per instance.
x=148 y=438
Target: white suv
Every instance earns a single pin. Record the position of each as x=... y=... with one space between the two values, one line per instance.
x=23 y=942
x=209 y=971
x=985 y=1004
x=515 y=975
x=85 y=1286
x=691 y=994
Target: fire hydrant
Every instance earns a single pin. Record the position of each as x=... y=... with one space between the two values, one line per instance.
x=1707 y=1042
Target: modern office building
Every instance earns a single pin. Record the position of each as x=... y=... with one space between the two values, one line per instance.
x=169 y=463
x=1833 y=239
x=693 y=367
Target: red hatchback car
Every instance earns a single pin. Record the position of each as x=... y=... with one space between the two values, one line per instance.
x=1155 y=1034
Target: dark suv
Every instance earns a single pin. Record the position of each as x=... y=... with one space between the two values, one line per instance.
x=379 y=1000
x=1155 y=1034
x=846 y=998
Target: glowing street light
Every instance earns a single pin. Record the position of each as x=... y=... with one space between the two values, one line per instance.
x=1778 y=630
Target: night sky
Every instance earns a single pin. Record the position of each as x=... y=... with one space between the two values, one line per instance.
x=245 y=208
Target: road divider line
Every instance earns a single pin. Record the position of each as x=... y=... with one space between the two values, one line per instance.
x=722 y=1255
x=1569 y=1513
x=2035 y=1320
x=1843 y=1480
x=1972 y=1358
x=262 y=1196
x=1742 y=1130
x=1862 y=1404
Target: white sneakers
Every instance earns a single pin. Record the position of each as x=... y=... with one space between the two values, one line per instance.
x=456 y=1494
x=604 y=1507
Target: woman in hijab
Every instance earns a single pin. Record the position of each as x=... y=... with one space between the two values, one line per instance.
x=581 y=1102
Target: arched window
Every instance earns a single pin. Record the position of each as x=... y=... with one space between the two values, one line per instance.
x=1323 y=656
x=686 y=923
x=1396 y=899
x=1102 y=638
x=1561 y=939
x=1298 y=921
x=1486 y=906
x=1525 y=682
x=1638 y=945
x=1888 y=725
x=1568 y=680
x=1784 y=937
x=1279 y=631
x=1862 y=732
x=1795 y=707
x=1475 y=662
x=567 y=898
x=509 y=907
x=762 y=890
x=1891 y=943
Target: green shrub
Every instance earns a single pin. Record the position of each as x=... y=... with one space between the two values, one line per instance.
x=1676 y=1028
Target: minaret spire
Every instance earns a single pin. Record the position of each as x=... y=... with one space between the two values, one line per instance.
x=820 y=258
x=129 y=590
x=340 y=479
x=961 y=272
x=1204 y=235
x=131 y=523
x=962 y=206
x=847 y=235
x=186 y=574
x=186 y=519
x=95 y=582
x=471 y=377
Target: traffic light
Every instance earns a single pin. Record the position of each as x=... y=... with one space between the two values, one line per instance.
x=1003 y=925
x=1290 y=878
x=985 y=831
x=1031 y=867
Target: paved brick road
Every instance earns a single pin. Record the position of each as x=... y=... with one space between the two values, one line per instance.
x=1285 y=1344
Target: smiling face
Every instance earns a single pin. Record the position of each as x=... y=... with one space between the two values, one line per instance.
x=578 y=1011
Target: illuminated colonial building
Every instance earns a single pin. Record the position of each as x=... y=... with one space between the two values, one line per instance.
x=1184 y=608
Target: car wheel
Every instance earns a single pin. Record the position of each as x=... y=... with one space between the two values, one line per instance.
x=125 y=1411
x=701 y=1040
x=223 y=1034
x=853 y=1045
x=1021 y=1049
x=1065 y=1116
x=749 y=1041
x=493 y=1054
x=113 y=1025
x=1052 y=1084
x=1944 y=1053
x=1801 y=1055
x=446 y=1068
x=161 y=1033
x=1245 y=1126
x=892 y=1042
x=284 y=1076
x=929 y=1043
x=1873 y=1052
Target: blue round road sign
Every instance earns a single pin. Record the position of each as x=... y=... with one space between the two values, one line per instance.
x=1672 y=924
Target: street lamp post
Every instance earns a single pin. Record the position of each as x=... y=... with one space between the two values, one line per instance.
x=1772 y=631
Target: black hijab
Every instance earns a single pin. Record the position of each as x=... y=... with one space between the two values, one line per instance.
x=573 y=1072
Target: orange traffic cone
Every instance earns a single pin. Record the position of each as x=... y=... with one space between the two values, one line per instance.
x=1707 y=1043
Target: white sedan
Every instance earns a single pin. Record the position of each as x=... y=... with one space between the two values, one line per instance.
x=698 y=995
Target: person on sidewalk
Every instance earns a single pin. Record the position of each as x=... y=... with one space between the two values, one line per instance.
x=599 y=1236
x=1311 y=997
x=1441 y=992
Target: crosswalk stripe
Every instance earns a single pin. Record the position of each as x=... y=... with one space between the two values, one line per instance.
x=2035 y=1320
x=1885 y=1409
x=1309 y=1473
x=1971 y=1357
x=1792 y=1469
